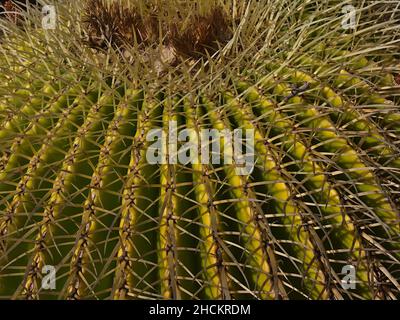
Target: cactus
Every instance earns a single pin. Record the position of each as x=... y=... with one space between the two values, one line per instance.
x=79 y=194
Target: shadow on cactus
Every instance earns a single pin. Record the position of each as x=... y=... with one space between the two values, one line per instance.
x=317 y=218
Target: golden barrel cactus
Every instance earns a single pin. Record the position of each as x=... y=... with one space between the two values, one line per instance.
x=315 y=82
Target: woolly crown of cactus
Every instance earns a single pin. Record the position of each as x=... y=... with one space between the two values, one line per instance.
x=315 y=82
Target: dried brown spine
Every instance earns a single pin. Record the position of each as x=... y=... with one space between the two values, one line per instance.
x=117 y=25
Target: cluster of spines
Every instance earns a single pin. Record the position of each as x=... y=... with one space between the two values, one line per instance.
x=324 y=206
